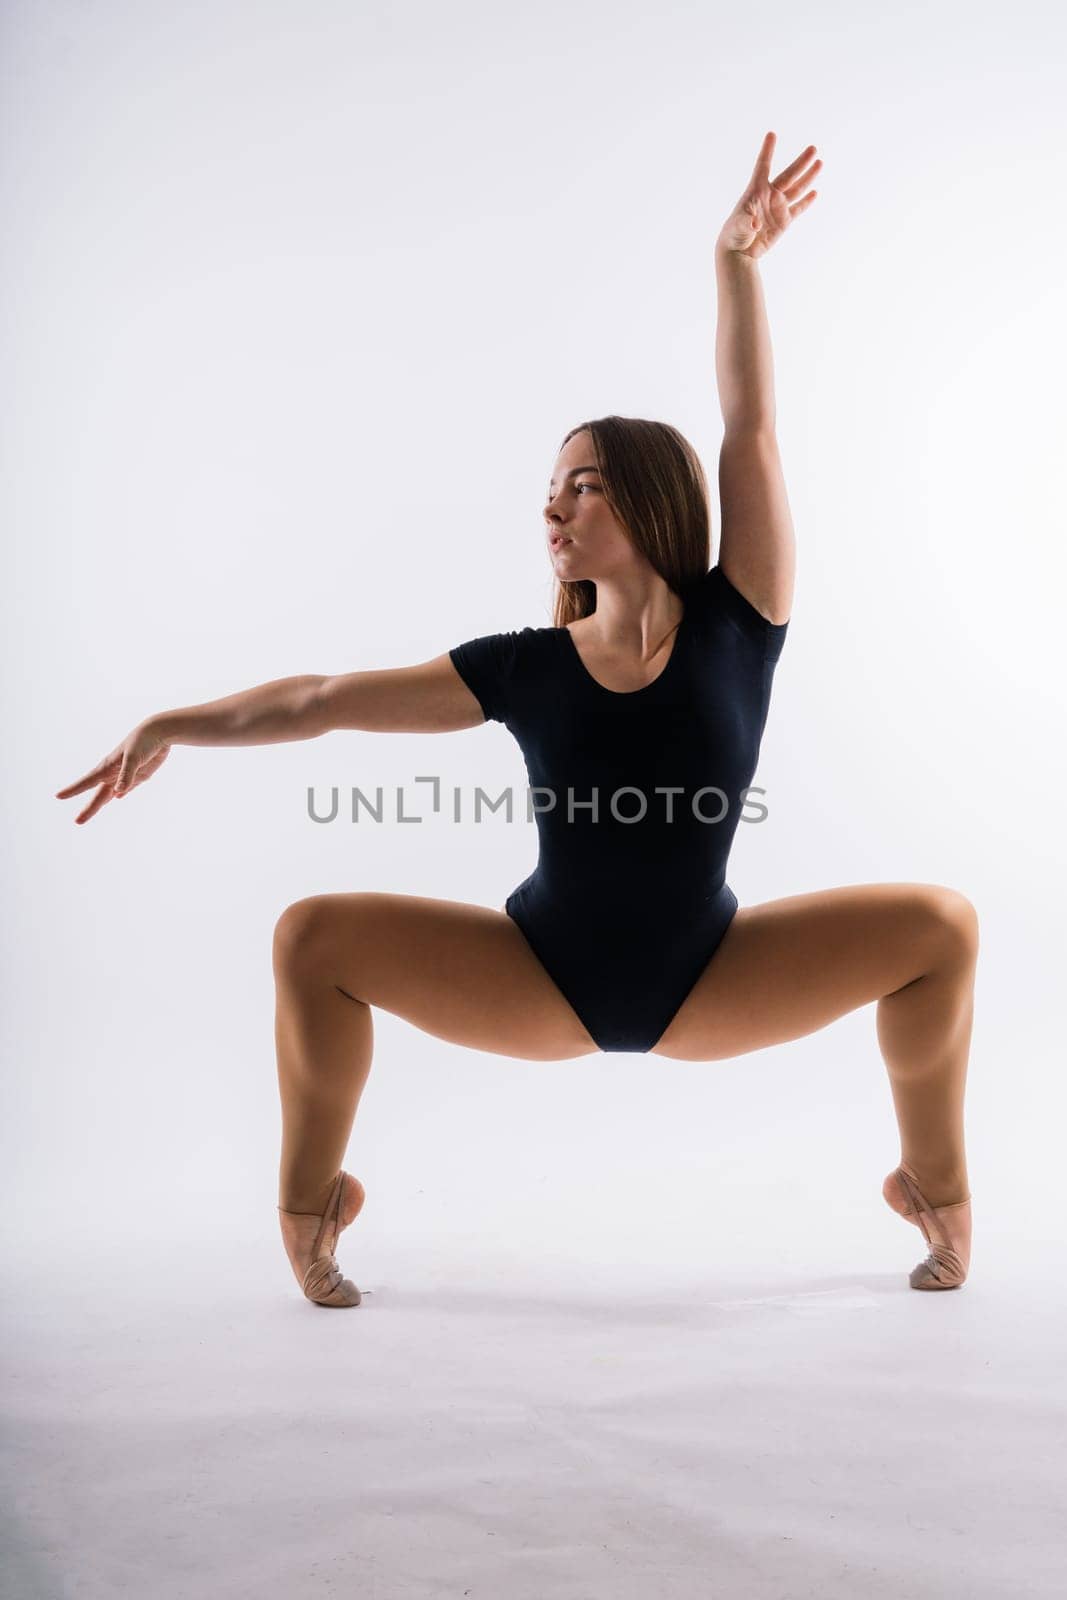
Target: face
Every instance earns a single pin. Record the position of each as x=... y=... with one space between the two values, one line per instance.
x=585 y=540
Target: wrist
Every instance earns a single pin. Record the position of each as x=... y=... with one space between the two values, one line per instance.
x=733 y=260
x=161 y=726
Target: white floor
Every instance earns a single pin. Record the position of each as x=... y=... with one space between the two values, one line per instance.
x=786 y=1418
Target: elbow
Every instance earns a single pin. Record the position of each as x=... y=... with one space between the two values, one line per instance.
x=750 y=425
x=317 y=707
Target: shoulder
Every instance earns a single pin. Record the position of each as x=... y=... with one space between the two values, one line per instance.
x=713 y=597
x=494 y=665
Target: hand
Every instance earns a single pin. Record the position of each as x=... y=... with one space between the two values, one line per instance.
x=765 y=211
x=141 y=753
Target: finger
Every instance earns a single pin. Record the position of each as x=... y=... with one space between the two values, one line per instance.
x=802 y=205
x=84 y=783
x=793 y=189
x=761 y=171
x=788 y=174
x=100 y=798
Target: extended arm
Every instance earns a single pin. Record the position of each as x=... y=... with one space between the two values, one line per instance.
x=757 y=547
x=429 y=697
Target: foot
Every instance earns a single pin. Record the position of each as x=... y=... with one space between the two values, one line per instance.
x=947 y=1232
x=300 y=1227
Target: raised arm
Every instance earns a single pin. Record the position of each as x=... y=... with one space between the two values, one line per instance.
x=757 y=548
x=429 y=697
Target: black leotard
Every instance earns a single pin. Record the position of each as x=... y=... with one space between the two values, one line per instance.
x=623 y=914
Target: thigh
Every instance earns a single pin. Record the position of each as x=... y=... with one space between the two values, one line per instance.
x=461 y=972
x=788 y=967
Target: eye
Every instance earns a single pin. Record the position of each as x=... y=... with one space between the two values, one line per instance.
x=577 y=486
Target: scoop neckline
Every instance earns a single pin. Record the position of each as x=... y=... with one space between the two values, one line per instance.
x=626 y=694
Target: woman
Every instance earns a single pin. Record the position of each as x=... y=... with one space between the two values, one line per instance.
x=639 y=715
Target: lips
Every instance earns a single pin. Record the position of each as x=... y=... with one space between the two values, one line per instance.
x=557 y=541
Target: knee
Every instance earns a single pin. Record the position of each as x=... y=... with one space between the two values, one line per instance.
x=300 y=935
x=955 y=921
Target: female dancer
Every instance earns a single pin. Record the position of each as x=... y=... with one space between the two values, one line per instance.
x=639 y=715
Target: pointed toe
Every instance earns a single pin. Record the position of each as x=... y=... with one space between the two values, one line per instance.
x=944 y=1267
x=324 y=1282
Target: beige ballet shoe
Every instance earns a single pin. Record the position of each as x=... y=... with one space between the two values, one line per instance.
x=944 y=1267
x=324 y=1282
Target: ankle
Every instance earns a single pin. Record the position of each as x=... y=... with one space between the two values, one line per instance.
x=306 y=1202
x=939 y=1186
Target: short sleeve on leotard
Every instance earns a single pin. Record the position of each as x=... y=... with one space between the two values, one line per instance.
x=715 y=595
x=486 y=665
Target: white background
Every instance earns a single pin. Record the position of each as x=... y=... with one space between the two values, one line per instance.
x=298 y=305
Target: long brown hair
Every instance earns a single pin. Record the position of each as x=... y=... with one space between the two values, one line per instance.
x=655 y=485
